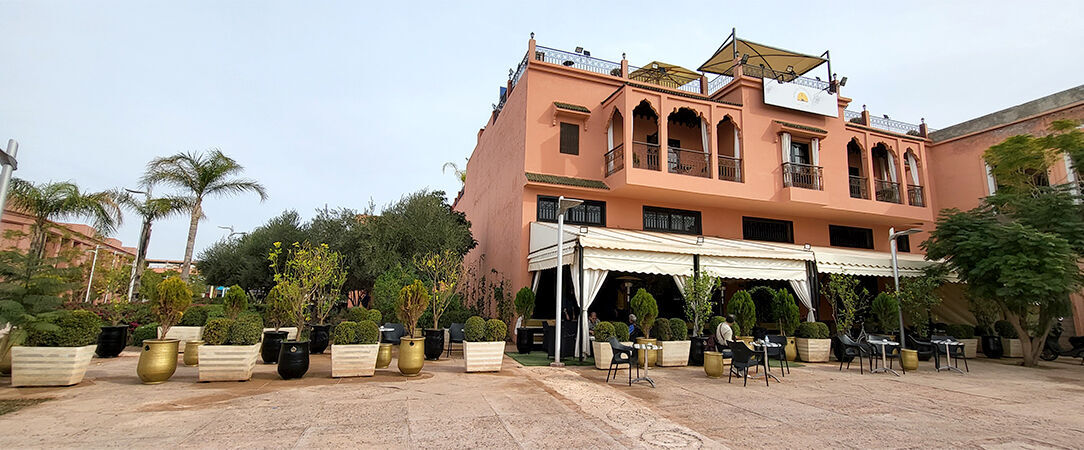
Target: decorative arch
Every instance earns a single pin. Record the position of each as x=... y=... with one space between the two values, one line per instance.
x=886 y=180
x=857 y=172
x=645 y=136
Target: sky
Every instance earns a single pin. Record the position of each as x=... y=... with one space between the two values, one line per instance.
x=341 y=103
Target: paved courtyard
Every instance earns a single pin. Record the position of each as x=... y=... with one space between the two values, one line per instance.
x=997 y=405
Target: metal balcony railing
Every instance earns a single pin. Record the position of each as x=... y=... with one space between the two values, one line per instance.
x=894 y=126
x=859 y=187
x=615 y=159
x=689 y=162
x=645 y=156
x=887 y=191
x=576 y=60
x=806 y=176
x=718 y=82
x=692 y=86
x=729 y=168
x=916 y=196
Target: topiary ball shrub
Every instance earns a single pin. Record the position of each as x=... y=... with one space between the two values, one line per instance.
x=368 y=332
x=646 y=310
x=195 y=316
x=1004 y=329
x=144 y=332
x=661 y=329
x=217 y=331
x=812 y=330
x=68 y=329
x=621 y=331
x=713 y=325
x=245 y=332
x=679 y=330
x=376 y=316
x=496 y=330
x=885 y=310
x=474 y=329
x=604 y=331
x=961 y=331
x=252 y=316
x=357 y=314
x=345 y=333
x=235 y=301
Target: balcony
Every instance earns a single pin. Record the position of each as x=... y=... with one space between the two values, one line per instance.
x=887 y=191
x=615 y=159
x=806 y=176
x=916 y=196
x=645 y=155
x=859 y=187
x=730 y=168
x=689 y=162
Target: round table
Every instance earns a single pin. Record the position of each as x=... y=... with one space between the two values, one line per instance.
x=948 y=354
x=764 y=345
x=884 y=359
x=645 y=347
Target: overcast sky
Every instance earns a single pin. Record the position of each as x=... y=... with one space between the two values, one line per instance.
x=337 y=103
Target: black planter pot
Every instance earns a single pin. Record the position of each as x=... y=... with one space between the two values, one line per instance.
x=991 y=347
x=434 y=343
x=696 y=350
x=568 y=344
x=293 y=359
x=272 y=340
x=524 y=340
x=112 y=341
x=318 y=338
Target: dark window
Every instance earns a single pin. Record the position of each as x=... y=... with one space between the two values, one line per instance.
x=841 y=236
x=671 y=220
x=757 y=229
x=570 y=138
x=903 y=244
x=799 y=153
x=591 y=212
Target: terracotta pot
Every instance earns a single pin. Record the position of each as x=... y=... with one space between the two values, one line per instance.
x=411 y=355
x=651 y=355
x=383 y=356
x=191 y=353
x=713 y=364
x=158 y=361
x=909 y=359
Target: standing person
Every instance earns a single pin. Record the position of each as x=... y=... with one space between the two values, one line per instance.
x=365 y=299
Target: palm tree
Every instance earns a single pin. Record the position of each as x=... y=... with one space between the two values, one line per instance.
x=151 y=209
x=202 y=175
x=52 y=201
x=459 y=173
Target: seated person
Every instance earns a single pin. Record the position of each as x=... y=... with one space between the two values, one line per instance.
x=634 y=331
x=592 y=321
x=724 y=335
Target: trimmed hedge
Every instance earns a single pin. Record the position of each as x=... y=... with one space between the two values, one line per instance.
x=217 y=331
x=376 y=316
x=357 y=314
x=345 y=333
x=960 y=331
x=195 y=316
x=496 y=330
x=812 y=330
x=713 y=325
x=679 y=330
x=474 y=329
x=68 y=329
x=604 y=331
x=661 y=329
x=144 y=332
x=245 y=332
x=621 y=330
x=368 y=332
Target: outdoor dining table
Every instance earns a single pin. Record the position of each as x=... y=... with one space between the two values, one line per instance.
x=646 y=347
x=884 y=359
x=764 y=345
x=950 y=365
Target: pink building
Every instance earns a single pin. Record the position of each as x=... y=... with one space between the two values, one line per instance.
x=753 y=169
x=77 y=237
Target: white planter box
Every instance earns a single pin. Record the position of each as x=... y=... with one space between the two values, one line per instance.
x=227 y=362
x=674 y=353
x=1012 y=347
x=183 y=334
x=483 y=356
x=291 y=333
x=603 y=354
x=813 y=350
x=356 y=360
x=971 y=347
x=49 y=366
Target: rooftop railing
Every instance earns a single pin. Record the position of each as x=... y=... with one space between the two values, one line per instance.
x=894 y=126
x=850 y=116
x=692 y=86
x=577 y=60
x=718 y=82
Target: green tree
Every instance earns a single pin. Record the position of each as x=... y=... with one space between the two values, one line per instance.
x=885 y=311
x=150 y=210
x=201 y=176
x=646 y=310
x=744 y=310
x=787 y=311
x=31 y=291
x=698 y=293
x=318 y=274
x=441 y=271
x=848 y=299
x=53 y=201
x=525 y=303
x=918 y=295
x=235 y=301
x=243 y=261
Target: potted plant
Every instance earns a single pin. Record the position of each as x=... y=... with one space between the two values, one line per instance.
x=383 y=353
x=354 y=349
x=621 y=331
x=483 y=344
x=57 y=351
x=789 y=318
x=675 y=343
x=114 y=334
x=441 y=271
x=413 y=299
x=600 y=345
x=646 y=310
x=189 y=328
x=813 y=342
x=158 y=360
x=317 y=273
x=986 y=314
x=230 y=348
x=745 y=314
x=525 y=308
x=277 y=315
x=698 y=305
x=966 y=335
x=1010 y=340
x=323 y=300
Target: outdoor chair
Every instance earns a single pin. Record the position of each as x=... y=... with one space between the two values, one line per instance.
x=892 y=352
x=743 y=359
x=855 y=350
x=954 y=351
x=392 y=336
x=759 y=333
x=724 y=348
x=455 y=336
x=778 y=353
x=923 y=346
x=622 y=354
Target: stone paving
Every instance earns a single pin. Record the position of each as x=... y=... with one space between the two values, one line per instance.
x=997 y=405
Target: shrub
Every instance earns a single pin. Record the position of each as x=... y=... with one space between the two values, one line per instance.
x=661 y=329
x=621 y=331
x=234 y=301
x=174 y=297
x=496 y=330
x=735 y=330
x=357 y=314
x=413 y=300
x=195 y=316
x=1004 y=329
x=144 y=332
x=525 y=303
x=252 y=316
x=376 y=316
x=475 y=329
x=65 y=329
x=604 y=331
x=245 y=332
x=217 y=331
x=744 y=311
x=886 y=311
x=789 y=314
x=368 y=332
x=961 y=331
x=713 y=324
x=813 y=330
x=679 y=330
x=646 y=310
x=345 y=333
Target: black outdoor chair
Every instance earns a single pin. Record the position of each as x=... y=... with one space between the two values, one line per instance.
x=922 y=346
x=954 y=351
x=743 y=359
x=393 y=335
x=892 y=352
x=455 y=336
x=855 y=350
x=622 y=354
x=778 y=353
x=724 y=348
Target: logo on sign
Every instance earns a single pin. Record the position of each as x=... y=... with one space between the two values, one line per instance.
x=802 y=97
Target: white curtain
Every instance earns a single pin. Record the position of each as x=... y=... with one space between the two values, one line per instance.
x=592 y=283
x=815 y=149
x=913 y=165
x=784 y=140
x=801 y=287
x=892 y=167
x=680 y=280
x=610 y=136
x=537 y=278
x=704 y=136
x=991 y=183
x=737 y=144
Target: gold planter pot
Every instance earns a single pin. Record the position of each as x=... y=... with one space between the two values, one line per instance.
x=791 y=349
x=411 y=355
x=383 y=356
x=909 y=359
x=191 y=353
x=158 y=360
x=652 y=355
x=713 y=364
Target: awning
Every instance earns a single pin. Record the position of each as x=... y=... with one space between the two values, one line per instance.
x=865 y=262
x=731 y=52
x=664 y=74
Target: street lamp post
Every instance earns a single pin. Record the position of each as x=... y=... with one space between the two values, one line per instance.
x=7 y=159
x=90 y=280
x=563 y=205
x=892 y=236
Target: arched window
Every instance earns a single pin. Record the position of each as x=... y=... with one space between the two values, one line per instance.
x=729 y=145
x=645 y=137
x=856 y=170
x=687 y=144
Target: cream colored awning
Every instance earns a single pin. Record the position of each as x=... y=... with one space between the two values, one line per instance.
x=731 y=52
x=865 y=262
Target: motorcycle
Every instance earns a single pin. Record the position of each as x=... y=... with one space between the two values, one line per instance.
x=1052 y=350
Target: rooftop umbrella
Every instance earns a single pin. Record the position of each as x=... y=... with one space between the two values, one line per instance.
x=664 y=74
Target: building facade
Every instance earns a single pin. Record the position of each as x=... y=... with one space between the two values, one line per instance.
x=78 y=238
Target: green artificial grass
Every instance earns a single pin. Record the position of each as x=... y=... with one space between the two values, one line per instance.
x=540 y=359
x=10 y=406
